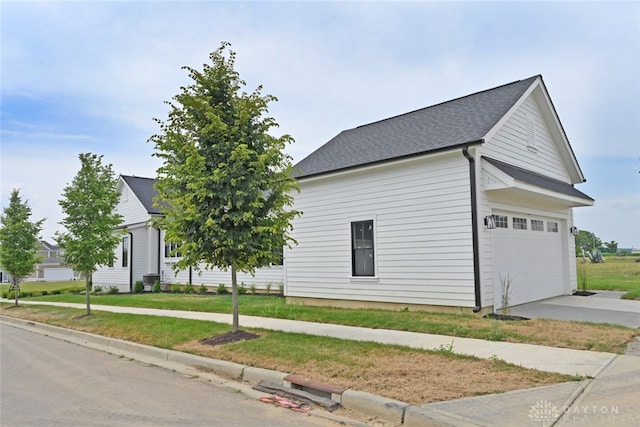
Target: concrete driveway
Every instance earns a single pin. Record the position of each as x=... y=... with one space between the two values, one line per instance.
x=602 y=307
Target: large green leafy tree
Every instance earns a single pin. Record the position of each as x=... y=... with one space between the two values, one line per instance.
x=225 y=183
x=90 y=219
x=18 y=241
x=587 y=241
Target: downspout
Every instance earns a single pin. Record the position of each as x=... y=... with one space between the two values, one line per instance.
x=130 y=262
x=474 y=228
x=159 y=249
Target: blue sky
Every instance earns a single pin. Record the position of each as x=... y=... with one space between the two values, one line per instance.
x=90 y=77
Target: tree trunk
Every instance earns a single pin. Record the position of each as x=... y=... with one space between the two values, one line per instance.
x=16 y=289
x=234 y=299
x=88 y=292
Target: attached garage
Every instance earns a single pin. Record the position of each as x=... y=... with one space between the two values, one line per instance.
x=530 y=252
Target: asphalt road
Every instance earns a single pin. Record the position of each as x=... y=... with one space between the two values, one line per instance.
x=49 y=382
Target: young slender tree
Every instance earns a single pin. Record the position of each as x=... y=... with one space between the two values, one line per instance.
x=19 y=239
x=90 y=219
x=225 y=183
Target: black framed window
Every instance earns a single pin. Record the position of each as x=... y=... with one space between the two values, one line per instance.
x=125 y=251
x=362 y=250
x=279 y=254
x=171 y=250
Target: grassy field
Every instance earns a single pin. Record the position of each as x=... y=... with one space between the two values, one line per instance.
x=45 y=286
x=615 y=274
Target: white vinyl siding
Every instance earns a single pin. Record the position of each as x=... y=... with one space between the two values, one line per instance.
x=512 y=143
x=131 y=209
x=273 y=276
x=422 y=221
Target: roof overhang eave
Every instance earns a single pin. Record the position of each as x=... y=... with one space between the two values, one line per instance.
x=393 y=159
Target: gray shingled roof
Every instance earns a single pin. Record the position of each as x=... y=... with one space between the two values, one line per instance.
x=538 y=180
x=443 y=126
x=144 y=191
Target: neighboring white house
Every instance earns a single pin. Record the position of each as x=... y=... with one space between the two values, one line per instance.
x=51 y=267
x=440 y=207
x=144 y=255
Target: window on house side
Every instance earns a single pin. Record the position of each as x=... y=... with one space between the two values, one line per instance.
x=125 y=251
x=362 y=255
x=537 y=225
x=519 y=223
x=169 y=247
x=552 y=227
x=501 y=221
x=279 y=252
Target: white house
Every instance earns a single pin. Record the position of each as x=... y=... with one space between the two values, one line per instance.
x=144 y=255
x=440 y=207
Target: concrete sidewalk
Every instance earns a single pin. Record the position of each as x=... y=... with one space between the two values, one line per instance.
x=550 y=359
x=608 y=397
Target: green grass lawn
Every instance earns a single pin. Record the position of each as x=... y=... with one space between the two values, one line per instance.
x=615 y=274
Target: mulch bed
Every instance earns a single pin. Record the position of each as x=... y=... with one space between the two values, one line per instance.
x=497 y=316
x=230 y=337
x=583 y=293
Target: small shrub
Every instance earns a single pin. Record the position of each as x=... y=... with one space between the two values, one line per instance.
x=203 y=289
x=45 y=293
x=156 y=287
x=221 y=289
x=97 y=290
x=242 y=289
x=176 y=288
x=56 y=292
x=138 y=287
x=113 y=290
x=505 y=298
x=281 y=288
x=253 y=289
x=268 y=288
x=189 y=289
x=496 y=334
x=446 y=348
x=5 y=294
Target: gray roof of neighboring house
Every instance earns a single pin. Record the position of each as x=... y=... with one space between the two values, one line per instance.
x=442 y=126
x=538 y=180
x=144 y=191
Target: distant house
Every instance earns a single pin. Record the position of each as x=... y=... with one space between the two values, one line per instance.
x=440 y=207
x=51 y=268
x=144 y=255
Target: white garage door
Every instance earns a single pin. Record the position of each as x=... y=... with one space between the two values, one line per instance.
x=529 y=250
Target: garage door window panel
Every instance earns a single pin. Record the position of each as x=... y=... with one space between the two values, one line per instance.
x=519 y=223
x=537 y=225
x=501 y=221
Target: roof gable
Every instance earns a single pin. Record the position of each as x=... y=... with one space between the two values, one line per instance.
x=451 y=124
x=144 y=191
x=539 y=94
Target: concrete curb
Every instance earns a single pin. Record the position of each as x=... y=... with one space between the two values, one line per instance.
x=243 y=378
